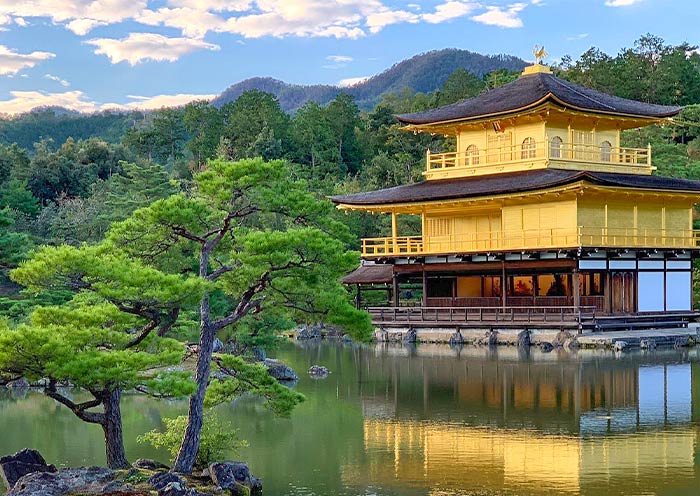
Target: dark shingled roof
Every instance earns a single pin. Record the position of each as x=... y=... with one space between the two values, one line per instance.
x=470 y=187
x=369 y=274
x=531 y=90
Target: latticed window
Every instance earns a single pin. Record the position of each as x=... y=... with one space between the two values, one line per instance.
x=500 y=147
x=605 y=151
x=472 y=155
x=529 y=148
x=555 y=147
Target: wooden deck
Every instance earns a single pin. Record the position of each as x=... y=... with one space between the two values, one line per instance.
x=564 y=317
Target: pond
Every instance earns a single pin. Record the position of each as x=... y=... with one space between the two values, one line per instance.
x=435 y=420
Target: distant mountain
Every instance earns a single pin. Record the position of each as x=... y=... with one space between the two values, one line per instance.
x=423 y=73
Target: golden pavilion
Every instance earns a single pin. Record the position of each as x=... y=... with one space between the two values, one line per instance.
x=540 y=215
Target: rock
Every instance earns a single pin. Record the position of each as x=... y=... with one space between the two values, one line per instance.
x=490 y=338
x=381 y=336
x=160 y=480
x=309 y=332
x=280 y=371
x=561 y=338
x=682 y=342
x=259 y=353
x=647 y=344
x=21 y=383
x=571 y=343
x=232 y=475
x=26 y=461
x=218 y=345
x=318 y=372
x=524 y=339
x=83 y=481
x=345 y=338
x=620 y=345
x=546 y=347
x=410 y=337
x=173 y=489
x=146 y=464
x=456 y=338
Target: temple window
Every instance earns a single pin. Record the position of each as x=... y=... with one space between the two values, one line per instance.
x=605 y=151
x=472 y=155
x=529 y=148
x=555 y=147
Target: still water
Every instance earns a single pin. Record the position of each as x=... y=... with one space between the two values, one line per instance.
x=432 y=420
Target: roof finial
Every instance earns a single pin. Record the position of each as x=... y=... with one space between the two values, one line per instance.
x=540 y=53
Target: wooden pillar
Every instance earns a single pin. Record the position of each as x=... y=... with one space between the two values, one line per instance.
x=394 y=231
x=504 y=284
x=358 y=297
x=607 y=293
x=576 y=287
x=425 y=289
x=395 y=290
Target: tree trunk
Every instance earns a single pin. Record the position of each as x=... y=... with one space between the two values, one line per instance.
x=184 y=463
x=112 y=426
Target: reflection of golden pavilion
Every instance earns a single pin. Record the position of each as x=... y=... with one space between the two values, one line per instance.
x=547 y=424
x=446 y=457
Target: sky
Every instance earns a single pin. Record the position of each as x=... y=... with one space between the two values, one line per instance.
x=90 y=55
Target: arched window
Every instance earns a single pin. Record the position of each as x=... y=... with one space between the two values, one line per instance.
x=555 y=147
x=472 y=155
x=605 y=151
x=529 y=148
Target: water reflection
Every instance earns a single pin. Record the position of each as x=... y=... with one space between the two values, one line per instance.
x=560 y=423
x=433 y=420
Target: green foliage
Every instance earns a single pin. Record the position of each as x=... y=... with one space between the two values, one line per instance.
x=13 y=245
x=16 y=195
x=218 y=438
x=236 y=377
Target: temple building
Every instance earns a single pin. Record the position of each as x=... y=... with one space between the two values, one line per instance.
x=539 y=215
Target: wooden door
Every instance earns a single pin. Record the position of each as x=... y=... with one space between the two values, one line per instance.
x=623 y=291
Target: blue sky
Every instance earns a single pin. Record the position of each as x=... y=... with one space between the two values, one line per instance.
x=96 y=54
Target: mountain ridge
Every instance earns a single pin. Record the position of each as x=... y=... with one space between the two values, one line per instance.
x=422 y=73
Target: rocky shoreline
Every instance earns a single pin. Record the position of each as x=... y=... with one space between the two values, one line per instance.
x=26 y=473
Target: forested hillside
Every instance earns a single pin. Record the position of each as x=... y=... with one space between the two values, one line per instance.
x=423 y=73
x=99 y=169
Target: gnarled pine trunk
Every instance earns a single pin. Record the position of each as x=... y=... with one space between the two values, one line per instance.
x=186 y=457
x=112 y=427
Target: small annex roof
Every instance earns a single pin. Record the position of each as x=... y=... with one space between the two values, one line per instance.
x=370 y=274
x=535 y=89
x=505 y=183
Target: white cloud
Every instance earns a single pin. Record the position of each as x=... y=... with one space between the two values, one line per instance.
x=504 y=18
x=255 y=18
x=20 y=21
x=60 y=81
x=378 y=21
x=138 y=47
x=579 y=36
x=621 y=3
x=340 y=59
x=12 y=62
x=345 y=83
x=89 y=12
x=24 y=101
x=448 y=11
x=192 y=22
x=160 y=101
x=81 y=27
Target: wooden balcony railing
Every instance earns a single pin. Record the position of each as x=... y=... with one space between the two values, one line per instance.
x=479 y=242
x=464 y=161
x=524 y=314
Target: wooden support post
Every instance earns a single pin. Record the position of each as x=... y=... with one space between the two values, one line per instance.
x=394 y=231
x=395 y=290
x=576 y=288
x=425 y=289
x=358 y=298
x=504 y=284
